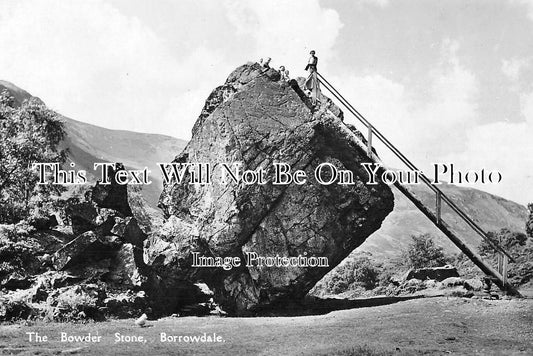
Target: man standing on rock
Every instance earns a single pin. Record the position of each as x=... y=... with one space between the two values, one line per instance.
x=311 y=83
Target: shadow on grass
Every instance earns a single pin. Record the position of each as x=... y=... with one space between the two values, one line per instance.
x=319 y=306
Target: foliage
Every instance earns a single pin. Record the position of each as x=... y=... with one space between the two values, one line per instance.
x=422 y=252
x=11 y=310
x=519 y=246
x=76 y=303
x=29 y=134
x=505 y=238
x=17 y=249
x=358 y=272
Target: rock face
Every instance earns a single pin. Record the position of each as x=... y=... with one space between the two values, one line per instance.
x=93 y=268
x=256 y=120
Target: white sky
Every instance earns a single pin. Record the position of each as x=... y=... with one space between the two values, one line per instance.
x=446 y=81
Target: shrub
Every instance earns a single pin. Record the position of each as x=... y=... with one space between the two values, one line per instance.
x=519 y=246
x=356 y=273
x=76 y=304
x=17 y=249
x=366 y=274
x=422 y=252
x=505 y=238
x=11 y=310
x=29 y=134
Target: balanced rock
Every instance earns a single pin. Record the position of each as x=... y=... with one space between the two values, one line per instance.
x=252 y=122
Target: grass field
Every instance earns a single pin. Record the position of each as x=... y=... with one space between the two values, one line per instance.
x=434 y=326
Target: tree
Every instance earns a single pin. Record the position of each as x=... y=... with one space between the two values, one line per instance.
x=366 y=273
x=423 y=252
x=357 y=271
x=505 y=238
x=29 y=134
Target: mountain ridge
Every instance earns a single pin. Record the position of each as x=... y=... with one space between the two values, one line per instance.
x=88 y=143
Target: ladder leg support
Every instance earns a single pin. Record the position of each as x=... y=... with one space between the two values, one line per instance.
x=438 y=204
x=369 y=142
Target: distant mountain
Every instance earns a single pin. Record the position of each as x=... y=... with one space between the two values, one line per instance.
x=17 y=93
x=490 y=212
x=89 y=144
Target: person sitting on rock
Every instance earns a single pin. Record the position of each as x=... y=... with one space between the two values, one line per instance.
x=284 y=74
x=266 y=63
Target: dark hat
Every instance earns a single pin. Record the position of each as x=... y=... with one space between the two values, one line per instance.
x=312 y=52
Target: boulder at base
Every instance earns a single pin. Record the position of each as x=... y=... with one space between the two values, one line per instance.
x=253 y=121
x=435 y=273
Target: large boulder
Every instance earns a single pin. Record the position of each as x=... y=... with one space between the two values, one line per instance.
x=256 y=120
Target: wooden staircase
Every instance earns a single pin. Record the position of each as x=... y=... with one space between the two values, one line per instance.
x=499 y=276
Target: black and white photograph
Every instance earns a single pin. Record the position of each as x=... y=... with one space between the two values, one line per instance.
x=266 y=177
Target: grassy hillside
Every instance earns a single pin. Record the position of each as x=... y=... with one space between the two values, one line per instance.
x=490 y=212
x=89 y=144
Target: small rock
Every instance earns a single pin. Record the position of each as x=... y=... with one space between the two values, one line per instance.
x=141 y=321
x=474 y=284
x=453 y=282
x=434 y=273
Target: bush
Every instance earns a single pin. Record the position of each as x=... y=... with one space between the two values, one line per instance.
x=366 y=274
x=518 y=245
x=11 y=310
x=17 y=249
x=422 y=252
x=505 y=238
x=356 y=273
x=76 y=303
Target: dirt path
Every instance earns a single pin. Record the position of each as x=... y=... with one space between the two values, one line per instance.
x=434 y=326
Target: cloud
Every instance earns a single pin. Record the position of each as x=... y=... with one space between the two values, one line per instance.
x=380 y=3
x=505 y=147
x=287 y=30
x=528 y=4
x=427 y=126
x=88 y=61
x=91 y=62
x=512 y=67
x=442 y=125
